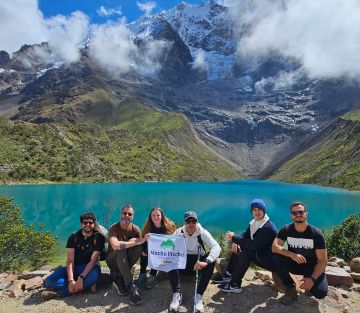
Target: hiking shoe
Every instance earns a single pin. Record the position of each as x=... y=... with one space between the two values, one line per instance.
x=199 y=307
x=176 y=301
x=119 y=286
x=141 y=280
x=48 y=295
x=219 y=279
x=151 y=281
x=279 y=285
x=290 y=295
x=231 y=287
x=134 y=294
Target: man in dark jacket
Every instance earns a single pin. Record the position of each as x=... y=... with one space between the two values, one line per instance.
x=254 y=245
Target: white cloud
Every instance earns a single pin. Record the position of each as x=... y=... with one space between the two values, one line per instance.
x=103 y=11
x=324 y=35
x=113 y=48
x=66 y=34
x=21 y=22
x=147 y=7
x=199 y=62
x=279 y=82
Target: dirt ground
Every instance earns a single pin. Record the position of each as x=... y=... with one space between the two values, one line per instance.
x=257 y=297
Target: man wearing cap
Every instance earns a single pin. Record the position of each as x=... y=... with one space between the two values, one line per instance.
x=195 y=236
x=125 y=247
x=82 y=268
x=306 y=255
x=254 y=245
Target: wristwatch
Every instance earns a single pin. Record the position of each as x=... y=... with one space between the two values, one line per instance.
x=82 y=276
x=208 y=261
x=313 y=279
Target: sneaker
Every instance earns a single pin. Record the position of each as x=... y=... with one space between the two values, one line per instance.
x=141 y=280
x=280 y=287
x=119 y=286
x=176 y=301
x=151 y=281
x=48 y=295
x=134 y=294
x=231 y=287
x=219 y=279
x=290 y=296
x=199 y=307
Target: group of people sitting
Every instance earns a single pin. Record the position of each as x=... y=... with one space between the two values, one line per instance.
x=260 y=244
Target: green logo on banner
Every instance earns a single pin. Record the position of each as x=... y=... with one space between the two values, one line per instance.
x=168 y=244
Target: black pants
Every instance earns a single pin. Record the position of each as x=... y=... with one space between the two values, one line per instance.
x=144 y=264
x=205 y=274
x=120 y=262
x=284 y=266
x=240 y=262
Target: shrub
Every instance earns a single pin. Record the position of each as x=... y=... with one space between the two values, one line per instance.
x=21 y=247
x=344 y=242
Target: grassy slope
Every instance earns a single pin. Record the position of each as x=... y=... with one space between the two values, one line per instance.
x=135 y=143
x=333 y=160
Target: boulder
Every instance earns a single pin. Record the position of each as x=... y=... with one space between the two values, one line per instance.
x=29 y=275
x=5 y=285
x=355 y=276
x=263 y=275
x=17 y=289
x=333 y=264
x=337 y=276
x=33 y=283
x=355 y=265
x=338 y=261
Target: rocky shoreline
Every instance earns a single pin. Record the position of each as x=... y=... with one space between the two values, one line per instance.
x=22 y=293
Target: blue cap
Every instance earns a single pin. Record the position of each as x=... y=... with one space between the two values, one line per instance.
x=258 y=203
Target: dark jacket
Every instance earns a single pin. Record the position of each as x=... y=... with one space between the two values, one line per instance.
x=260 y=244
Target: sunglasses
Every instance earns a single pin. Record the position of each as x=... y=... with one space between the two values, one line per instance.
x=88 y=223
x=298 y=213
x=127 y=213
x=191 y=221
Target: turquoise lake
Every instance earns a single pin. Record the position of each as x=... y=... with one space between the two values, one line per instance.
x=220 y=206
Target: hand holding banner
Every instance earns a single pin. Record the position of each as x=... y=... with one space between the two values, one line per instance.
x=166 y=252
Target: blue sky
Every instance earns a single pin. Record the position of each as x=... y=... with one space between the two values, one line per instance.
x=128 y=8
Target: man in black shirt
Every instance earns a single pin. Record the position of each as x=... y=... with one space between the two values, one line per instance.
x=306 y=255
x=82 y=269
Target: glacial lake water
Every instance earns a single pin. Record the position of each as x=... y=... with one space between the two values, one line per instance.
x=221 y=206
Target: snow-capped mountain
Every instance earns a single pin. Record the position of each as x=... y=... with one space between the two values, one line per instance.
x=239 y=109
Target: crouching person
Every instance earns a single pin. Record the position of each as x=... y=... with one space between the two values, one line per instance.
x=253 y=246
x=306 y=255
x=82 y=269
x=195 y=236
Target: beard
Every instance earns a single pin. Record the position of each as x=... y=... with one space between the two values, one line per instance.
x=87 y=230
x=126 y=221
x=300 y=222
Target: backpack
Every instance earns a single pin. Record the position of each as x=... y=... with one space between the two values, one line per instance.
x=103 y=232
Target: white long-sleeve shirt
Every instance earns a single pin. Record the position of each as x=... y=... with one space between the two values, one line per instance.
x=192 y=242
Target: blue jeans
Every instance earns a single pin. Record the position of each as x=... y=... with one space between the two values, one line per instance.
x=59 y=281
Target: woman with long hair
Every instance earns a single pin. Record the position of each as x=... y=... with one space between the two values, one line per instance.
x=156 y=223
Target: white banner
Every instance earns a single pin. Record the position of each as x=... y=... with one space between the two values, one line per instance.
x=166 y=252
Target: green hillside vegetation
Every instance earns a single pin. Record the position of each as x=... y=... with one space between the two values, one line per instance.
x=333 y=159
x=140 y=145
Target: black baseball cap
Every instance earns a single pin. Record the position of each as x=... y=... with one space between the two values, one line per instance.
x=190 y=214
